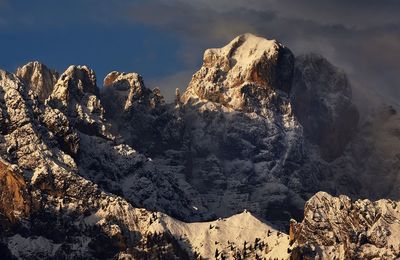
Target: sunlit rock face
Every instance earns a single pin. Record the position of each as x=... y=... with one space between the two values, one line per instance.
x=241 y=135
x=38 y=78
x=15 y=202
x=243 y=75
x=337 y=227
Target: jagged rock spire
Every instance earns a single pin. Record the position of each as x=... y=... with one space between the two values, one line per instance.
x=123 y=91
x=76 y=94
x=38 y=78
x=74 y=83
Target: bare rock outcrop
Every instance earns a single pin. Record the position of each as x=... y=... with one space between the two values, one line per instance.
x=256 y=129
x=243 y=75
x=38 y=78
x=37 y=174
x=339 y=228
x=241 y=135
x=15 y=202
x=138 y=114
x=126 y=91
x=76 y=95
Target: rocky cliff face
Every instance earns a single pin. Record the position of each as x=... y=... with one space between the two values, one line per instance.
x=243 y=75
x=338 y=228
x=115 y=170
x=321 y=99
x=38 y=78
x=41 y=185
x=15 y=203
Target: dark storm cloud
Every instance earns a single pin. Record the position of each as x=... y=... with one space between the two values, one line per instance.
x=362 y=37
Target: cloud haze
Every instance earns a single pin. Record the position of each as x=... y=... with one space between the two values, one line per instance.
x=362 y=36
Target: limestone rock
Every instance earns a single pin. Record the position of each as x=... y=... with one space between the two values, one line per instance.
x=15 y=201
x=337 y=227
x=85 y=161
x=76 y=95
x=38 y=78
x=74 y=83
x=86 y=222
x=60 y=126
x=127 y=99
x=241 y=75
x=123 y=91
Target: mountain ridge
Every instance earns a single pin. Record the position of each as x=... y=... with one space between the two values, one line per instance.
x=105 y=161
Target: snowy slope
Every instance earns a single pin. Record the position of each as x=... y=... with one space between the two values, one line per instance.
x=240 y=234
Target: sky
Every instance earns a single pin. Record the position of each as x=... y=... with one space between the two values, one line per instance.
x=164 y=40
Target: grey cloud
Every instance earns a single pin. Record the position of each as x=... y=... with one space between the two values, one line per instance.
x=358 y=13
x=362 y=37
x=190 y=21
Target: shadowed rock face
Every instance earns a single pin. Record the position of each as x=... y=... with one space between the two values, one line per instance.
x=124 y=90
x=321 y=99
x=137 y=114
x=76 y=95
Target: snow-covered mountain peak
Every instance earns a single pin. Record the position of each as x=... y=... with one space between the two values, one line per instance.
x=244 y=74
x=76 y=80
x=243 y=51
